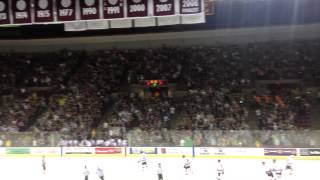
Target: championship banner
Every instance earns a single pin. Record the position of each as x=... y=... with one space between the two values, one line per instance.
x=137 y=8
x=309 y=152
x=163 y=7
x=89 y=9
x=108 y=150
x=280 y=152
x=4 y=12
x=43 y=11
x=192 y=11
x=190 y=6
x=21 y=11
x=66 y=10
x=113 y=9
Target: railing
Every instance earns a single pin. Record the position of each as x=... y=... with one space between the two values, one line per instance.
x=212 y=138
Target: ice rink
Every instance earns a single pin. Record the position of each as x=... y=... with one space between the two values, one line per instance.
x=71 y=168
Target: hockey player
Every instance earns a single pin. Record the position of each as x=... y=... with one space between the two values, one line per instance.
x=44 y=164
x=159 y=172
x=267 y=171
x=100 y=173
x=289 y=164
x=86 y=173
x=143 y=160
x=186 y=165
x=220 y=170
x=276 y=170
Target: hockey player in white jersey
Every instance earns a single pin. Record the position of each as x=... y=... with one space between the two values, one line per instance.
x=86 y=173
x=186 y=165
x=143 y=160
x=220 y=170
x=100 y=173
x=266 y=171
x=289 y=165
x=276 y=170
x=159 y=172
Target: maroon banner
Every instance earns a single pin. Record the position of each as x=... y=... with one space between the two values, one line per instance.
x=21 y=11
x=108 y=150
x=190 y=6
x=113 y=9
x=66 y=10
x=163 y=7
x=137 y=8
x=4 y=12
x=89 y=9
x=43 y=10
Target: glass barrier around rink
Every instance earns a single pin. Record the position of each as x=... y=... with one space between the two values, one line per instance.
x=209 y=138
x=231 y=138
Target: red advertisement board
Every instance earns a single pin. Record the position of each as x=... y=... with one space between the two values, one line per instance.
x=21 y=11
x=163 y=7
x=4 y=12
x=43 y=10
x=113 y=9
x=108 y=150
x=89 y=9
x=137 y=8
x=66 y=10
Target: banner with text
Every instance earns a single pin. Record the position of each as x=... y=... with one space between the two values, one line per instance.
x=45 y=151
x=78 y=150
x=43 y=11
x=21 y=11
x=66 y=10
x=109 y=150
x=127 y=13
x=280 y=152
x=89 y=9
x=4 y=12
x=175 y=151
x=209 y=151
x=17 y=150
x=140 y=150
x=309 y=152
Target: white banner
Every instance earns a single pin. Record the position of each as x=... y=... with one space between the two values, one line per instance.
x=208 y=151
x=175 y=151
x=75 y=26
x=145 y=22
x=78 y=150
x=45 y=151
x=99 y=24
x=123 y=23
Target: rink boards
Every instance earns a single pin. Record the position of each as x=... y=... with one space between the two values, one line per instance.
x=163 y=152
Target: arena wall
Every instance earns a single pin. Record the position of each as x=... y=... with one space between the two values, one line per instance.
x=207 y=37
x=164 y=152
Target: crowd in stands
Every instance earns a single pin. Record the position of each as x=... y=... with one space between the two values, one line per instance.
x=73 y=92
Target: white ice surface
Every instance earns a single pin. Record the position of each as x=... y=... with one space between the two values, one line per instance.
x=128 y=169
